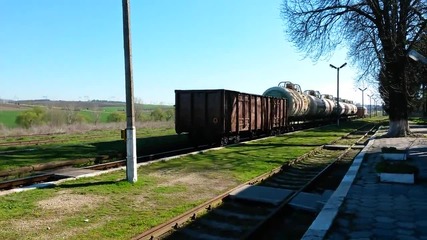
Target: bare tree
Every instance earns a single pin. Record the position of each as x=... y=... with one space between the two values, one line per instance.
x=70 y=111
x=139 y=110
x=96 y=112
x=378 y=34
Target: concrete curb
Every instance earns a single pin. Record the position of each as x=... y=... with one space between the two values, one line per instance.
x=325 y=218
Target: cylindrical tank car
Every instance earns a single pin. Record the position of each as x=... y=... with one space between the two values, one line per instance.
x=298 y=102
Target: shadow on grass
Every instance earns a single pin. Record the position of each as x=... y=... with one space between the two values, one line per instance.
x=282 y=145
x=245 y=159
x=116 y=149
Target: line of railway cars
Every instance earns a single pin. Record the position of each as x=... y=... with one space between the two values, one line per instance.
x=222 y=115
x=310 y=104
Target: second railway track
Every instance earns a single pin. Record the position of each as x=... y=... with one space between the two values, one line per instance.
x=246 y=211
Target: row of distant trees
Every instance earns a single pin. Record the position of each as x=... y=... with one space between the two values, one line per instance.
x=56 y=117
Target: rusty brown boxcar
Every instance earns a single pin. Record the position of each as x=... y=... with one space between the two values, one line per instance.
x=222 y=115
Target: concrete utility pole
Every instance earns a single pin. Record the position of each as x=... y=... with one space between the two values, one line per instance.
x=131 y=173
x=363 y=102
x=338 y=90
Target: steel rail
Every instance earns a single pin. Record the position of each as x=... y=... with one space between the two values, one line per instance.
x=103 y=166
x=254 y=234
x=25 y=181
x=189 y=215
x=180 y=220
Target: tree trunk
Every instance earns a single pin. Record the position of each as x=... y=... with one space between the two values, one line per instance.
x=398 y=128
x=398 y=100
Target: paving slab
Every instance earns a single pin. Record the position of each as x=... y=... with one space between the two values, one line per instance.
x=376 y=210
x=268 y=195
x=311 y=202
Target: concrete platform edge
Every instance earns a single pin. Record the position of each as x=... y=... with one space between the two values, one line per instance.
x=325 y=218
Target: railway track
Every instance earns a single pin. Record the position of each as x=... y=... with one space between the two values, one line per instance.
x=247 y=211
x=44 y=140
x=38 y=174
x=30 y=180
x=46 y=175
x=50 y=176
x=292 y=222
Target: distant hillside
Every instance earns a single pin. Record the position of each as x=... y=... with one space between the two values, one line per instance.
x=90 y=111
x=79 y=104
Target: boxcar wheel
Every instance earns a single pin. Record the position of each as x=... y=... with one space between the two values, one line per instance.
x=253 y=135
x=224 y=141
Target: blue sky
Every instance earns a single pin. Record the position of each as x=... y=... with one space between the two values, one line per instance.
x=73 y=50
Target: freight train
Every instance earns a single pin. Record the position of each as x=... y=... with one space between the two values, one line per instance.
x=310 y=105
x=222 y=116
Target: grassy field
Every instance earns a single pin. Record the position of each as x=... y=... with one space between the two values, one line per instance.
x=7 y=118
x=108 y=207
x=91 y=115
x=87 y=145
x=8 y=114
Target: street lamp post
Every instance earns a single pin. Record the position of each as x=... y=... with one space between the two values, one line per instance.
x=338 y=90
x=363 y=100
x=370 y=105
x=375 y=107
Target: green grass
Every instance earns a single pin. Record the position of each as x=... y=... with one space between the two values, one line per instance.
x=145 y=107
x=418 y=120
x=114 y=109
x=7 y=118
x=90 y=116
x=113 y=219
x=89 y=145
x=116 y=209
x=150 y=107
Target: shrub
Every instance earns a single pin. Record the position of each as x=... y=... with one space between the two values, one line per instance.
x=80 y=118
x=143 y=117
x=158 y=114
x=116 y=117
x=169 y=114
x=32 y=117
x=56 y=117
